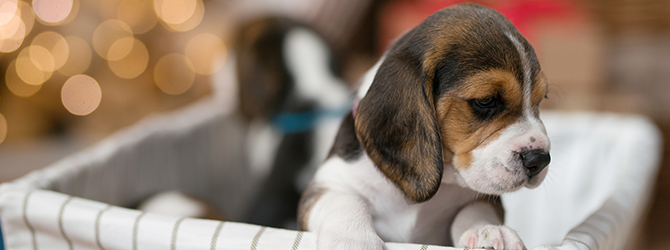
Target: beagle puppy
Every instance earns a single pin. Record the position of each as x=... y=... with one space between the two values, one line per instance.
x=293 y=97
x=445 y=122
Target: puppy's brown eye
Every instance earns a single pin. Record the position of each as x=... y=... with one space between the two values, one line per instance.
x=486 y=103
x=486 y=108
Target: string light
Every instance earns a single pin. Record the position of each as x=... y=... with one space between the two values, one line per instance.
x=134 y=63
x=27 y=65
x=175 y=11
x=72 y=15
x=8 y=9
x=12 y=28
x=106 y=34
x=42 y=59
x=79 y=59
x=17 y=86
x=14 y=41
x=81 y=95
x=120 y=48
x=113 y=40
x=190 y=23
x=207 y=52
x=52 y=11
x=174 y=74
x=57 y=46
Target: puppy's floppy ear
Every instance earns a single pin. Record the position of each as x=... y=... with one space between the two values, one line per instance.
x=396 y=122
x=262 y=72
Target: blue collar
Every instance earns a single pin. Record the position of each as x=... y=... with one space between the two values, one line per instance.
x=298 y=122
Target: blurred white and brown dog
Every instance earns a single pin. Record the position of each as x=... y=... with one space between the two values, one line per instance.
x=285 y=81
x=445 y=122
x=292 y=95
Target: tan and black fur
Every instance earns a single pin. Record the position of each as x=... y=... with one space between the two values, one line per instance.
x=463 y=83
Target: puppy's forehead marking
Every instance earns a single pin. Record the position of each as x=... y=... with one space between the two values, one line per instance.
x=526 y=84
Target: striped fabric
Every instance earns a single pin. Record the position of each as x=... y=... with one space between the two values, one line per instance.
x=41 y=219
x=603 y=167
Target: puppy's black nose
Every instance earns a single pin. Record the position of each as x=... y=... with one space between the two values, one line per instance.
x=535 y=160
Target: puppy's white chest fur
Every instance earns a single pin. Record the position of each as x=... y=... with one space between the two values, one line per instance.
x=397 y=219
x=428 y=222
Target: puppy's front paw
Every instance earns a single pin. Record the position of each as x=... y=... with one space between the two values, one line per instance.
x=342 y=241
x=491 y=237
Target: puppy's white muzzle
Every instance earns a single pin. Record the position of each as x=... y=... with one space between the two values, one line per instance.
x=517 y=158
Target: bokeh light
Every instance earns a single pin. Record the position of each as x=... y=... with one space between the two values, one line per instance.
x=192 y=22
x=27 y=16
x=12 y=35
x=134 y=63
x=12 y=27
x=57 y=46
x=3 y=128
x=106 y=34
x=207 y=52
x=174 y=74
x=120 y=48
x=8 y=8
x=138 y=14
x=52 y=11
x=42 y=58
x=65 y=41
x=81 y=95
x=73 y=13
x=33 y=64
x=175 y=11
x=79 y=58
x=17 y=86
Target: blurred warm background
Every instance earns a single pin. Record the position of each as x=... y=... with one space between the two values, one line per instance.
x=75 y=71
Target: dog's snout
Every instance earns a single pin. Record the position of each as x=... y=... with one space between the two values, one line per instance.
x=535 y=161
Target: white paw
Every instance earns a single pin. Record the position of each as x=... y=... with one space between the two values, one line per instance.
x=491 y=237
x=347 y=241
